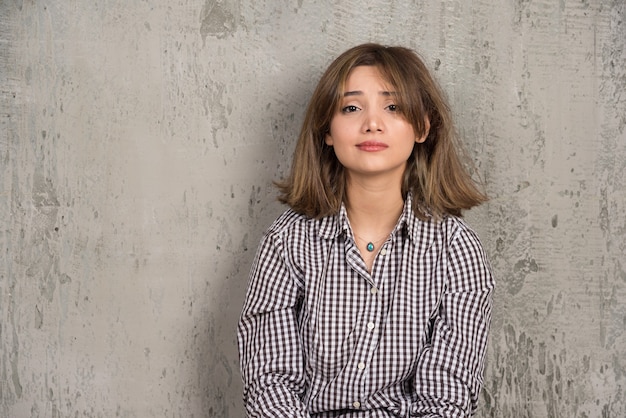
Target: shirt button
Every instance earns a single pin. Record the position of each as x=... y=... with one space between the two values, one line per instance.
x=383 y=251
x=356 y=404
x=374 y=290
x=370 y=325
x=361 y=366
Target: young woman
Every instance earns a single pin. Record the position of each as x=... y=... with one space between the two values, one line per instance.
x=370 y=296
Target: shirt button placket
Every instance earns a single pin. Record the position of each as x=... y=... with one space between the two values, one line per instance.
x=369 y=341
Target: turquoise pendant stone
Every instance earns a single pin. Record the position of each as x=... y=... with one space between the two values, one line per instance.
x=370 y=247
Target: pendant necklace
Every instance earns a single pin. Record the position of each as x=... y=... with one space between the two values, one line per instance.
x=370 y=244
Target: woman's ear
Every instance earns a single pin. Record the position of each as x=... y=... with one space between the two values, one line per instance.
x=328 y=139
x=421 y=139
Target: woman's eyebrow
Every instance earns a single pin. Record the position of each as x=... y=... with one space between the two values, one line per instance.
x=360 y=93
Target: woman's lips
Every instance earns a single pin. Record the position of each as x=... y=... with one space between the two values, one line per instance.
x=372 y=146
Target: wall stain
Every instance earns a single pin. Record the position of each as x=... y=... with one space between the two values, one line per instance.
x=38 y=317
x=521 y=270
x=212 y=101
x=13 y=360
x=217 y=19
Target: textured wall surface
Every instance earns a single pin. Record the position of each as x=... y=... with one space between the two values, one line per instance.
x=139 y=141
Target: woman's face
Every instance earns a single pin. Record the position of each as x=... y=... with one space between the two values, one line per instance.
x=369 y=134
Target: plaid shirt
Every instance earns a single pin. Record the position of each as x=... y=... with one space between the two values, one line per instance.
x=321 y=337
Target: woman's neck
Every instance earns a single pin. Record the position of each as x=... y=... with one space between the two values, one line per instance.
x=373 y=209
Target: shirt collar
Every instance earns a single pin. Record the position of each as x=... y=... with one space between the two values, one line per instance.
x=333 y=225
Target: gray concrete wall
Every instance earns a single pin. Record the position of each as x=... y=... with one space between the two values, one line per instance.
x=139 y=141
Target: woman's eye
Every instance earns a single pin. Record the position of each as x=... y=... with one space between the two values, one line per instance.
x=393 y=107
x=349 y=109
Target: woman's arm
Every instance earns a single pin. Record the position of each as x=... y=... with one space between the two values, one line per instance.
x=272 y=364
x=449 y=373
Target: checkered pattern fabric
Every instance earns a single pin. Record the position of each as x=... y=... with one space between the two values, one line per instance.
x=319 y=336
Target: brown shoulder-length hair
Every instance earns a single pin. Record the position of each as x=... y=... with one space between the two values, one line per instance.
x=436 y=175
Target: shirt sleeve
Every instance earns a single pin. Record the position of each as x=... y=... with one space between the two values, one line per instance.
x=271 y=359
x=449 y=373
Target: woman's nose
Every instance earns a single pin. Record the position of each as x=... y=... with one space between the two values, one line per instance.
x=373 y=122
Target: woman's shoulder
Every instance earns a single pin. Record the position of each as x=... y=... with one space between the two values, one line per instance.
x=460 y=231
x=296 y=230
x=449 y=227
x=456 y=223
x=287 y=222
